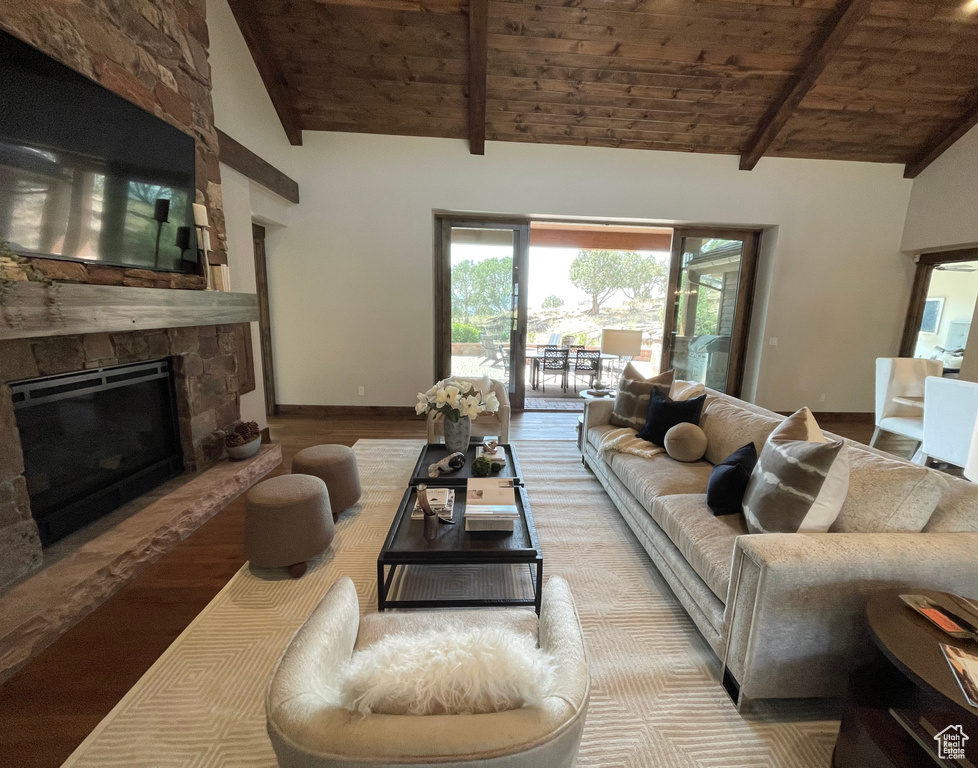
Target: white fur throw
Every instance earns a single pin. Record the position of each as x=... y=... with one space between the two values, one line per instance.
x=472 y=671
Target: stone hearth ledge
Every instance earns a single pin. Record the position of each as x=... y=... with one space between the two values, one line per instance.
x=85 y=569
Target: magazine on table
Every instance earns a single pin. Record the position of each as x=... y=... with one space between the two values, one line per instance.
x=965 y=668
x=442 y=501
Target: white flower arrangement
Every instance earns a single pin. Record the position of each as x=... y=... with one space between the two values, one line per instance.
x=454 y=399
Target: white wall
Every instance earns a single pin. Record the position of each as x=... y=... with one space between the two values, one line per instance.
x=351 y=286
x=943 y=212
x=241 y=268
x=242 y=107
x=243 y=110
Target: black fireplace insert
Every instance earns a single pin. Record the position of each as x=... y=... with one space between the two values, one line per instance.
x=94 y=440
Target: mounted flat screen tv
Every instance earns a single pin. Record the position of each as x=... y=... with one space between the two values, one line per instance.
x=87 y=176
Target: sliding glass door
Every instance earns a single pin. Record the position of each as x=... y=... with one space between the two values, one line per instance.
x=707 y=317
x=480 y=299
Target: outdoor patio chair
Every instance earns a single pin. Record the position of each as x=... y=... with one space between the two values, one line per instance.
x=489 y=349
x=555 y=364
x=554 y=341
x=587 y=365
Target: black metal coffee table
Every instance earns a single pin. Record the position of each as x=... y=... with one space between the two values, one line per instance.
x=406 y=545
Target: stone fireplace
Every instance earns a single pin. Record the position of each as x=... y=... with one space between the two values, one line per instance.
x=206 y=386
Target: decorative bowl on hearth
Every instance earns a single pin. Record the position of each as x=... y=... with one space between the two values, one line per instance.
x=246 y=451
x=242 y=440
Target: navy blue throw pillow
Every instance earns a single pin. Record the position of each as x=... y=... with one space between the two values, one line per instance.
x=664 y=413
x=728 y=481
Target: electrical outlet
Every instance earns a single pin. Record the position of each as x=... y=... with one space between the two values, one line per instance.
x=774 y=341
x=821 y=398
x=360 y=391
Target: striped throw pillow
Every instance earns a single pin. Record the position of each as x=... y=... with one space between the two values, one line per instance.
x=800 y=481
x=634 y=390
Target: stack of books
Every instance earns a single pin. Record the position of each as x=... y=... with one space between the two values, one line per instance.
x=442 y=501
x=490 y=505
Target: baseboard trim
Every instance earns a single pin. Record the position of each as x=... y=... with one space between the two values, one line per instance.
x=848 y=417
x=349 y=411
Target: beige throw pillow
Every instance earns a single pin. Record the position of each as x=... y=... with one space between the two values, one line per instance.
x=685 y=442
x=800 y=481
x=634 y=390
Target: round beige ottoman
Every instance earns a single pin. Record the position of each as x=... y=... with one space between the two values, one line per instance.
x=335 y=465
x=287 y=522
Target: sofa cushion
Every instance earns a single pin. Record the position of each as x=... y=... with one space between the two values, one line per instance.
x=596 y=433
x=647 y=479
x=664 y=413
x=957 y=509
x=632 y=402
x=706 y=541
x=685 y=442
x=888 y=495
x=728 y=481
x=800 y=481
x=728 y=427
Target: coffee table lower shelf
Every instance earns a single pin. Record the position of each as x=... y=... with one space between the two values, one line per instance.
x=386 y=580
x=453 y=547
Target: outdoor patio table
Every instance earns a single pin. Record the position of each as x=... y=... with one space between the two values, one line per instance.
x=534 y=358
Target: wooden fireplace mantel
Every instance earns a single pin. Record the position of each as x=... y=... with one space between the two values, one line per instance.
x=32 y=309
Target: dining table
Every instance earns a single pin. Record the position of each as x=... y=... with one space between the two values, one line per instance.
x=535 y=357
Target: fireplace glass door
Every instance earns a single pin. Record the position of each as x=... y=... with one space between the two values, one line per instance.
x=93 y=441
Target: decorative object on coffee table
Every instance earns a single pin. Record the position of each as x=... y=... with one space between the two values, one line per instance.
x=900 y=703
x=430 y=517
x=459 y=402
x=243 y=440
x=335 y=465
x=433 y=454
x=453 y=462
x=457 y=433
x=287 y=522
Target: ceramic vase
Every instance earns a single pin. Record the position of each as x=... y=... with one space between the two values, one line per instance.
x=457 y=434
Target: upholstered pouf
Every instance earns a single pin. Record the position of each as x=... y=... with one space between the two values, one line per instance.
x=335 y=465
x=287 y=522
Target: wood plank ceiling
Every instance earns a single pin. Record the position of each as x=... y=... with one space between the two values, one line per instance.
x=877 y=80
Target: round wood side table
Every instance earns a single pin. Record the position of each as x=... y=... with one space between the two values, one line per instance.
x=908 y=694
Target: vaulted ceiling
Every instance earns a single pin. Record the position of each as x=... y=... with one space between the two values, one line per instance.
x=876 y=80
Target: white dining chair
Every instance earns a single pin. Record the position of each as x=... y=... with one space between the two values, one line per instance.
x=949 y=421
x=900 y=396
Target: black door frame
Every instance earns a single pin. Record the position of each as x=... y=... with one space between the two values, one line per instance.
x=926 y=263
x=264 y=320
x=444 y=223
x=745 y=296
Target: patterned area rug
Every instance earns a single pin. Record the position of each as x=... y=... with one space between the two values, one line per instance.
x=655 y=699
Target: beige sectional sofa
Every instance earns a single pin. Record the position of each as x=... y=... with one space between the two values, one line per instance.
x=784 y=612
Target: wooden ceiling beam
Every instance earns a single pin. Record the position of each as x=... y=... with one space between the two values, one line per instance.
x=944 y=139
x=421 y=6
x=245 y=13
x=478 y=74
x=836 y=31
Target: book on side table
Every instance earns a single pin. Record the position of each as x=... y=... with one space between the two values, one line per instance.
x=490 y=504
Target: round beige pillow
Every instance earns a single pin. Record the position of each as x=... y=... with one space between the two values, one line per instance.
x=685 y=442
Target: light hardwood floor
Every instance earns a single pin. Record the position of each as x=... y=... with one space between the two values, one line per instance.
x=56 y=700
